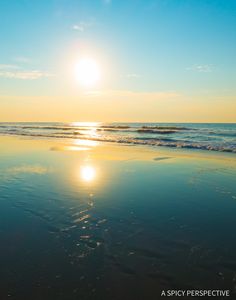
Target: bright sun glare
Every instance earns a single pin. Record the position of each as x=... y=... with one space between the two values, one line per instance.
x=87 y=72
x=87 y=173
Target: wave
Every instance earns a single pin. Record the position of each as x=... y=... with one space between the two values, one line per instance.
x=163 y=131
x=213 y=137
x=165 y=127
x=217 y=133
x=115 y=126
x=110 y=129
x=68 y=128
x=143 y=129
x=47 y=127
x=135 y=141
x=63 y=128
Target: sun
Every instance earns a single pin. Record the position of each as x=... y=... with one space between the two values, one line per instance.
x=87 y=72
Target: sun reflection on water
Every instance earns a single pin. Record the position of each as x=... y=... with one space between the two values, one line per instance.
x=87 y=173
x=85 y=124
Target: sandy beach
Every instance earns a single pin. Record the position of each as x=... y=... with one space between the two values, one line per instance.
x=90 y=220
x=117 y=149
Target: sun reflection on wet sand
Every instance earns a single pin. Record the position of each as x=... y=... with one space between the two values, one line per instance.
x=75 y=148
x=87 y=173
x=87 y=143
x=76 y=145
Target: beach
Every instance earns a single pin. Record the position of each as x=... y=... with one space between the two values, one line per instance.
x=117 y=150
x=88 y=219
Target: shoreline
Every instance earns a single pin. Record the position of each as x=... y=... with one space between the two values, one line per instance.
x=208 y=137
x=64 y=144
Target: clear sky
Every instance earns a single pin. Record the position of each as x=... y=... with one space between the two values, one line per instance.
x=159 y=60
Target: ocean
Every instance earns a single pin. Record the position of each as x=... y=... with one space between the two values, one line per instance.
x=204 y=136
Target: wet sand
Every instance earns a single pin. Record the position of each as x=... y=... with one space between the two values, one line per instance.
x=86 y=220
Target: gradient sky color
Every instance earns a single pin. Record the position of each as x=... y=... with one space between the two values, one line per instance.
x=162 y=60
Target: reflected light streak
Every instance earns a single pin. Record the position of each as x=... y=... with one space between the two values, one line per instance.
x=76 y=148
x=86 y=143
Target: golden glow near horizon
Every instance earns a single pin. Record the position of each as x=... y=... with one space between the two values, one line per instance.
x=87 y=72
x=87 y=173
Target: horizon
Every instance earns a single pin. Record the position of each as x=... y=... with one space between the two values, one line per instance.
x=171 y=61
x=115 y=122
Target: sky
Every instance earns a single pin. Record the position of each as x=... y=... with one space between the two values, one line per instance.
x=160 y=60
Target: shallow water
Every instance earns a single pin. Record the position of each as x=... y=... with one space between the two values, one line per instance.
x=113 y=222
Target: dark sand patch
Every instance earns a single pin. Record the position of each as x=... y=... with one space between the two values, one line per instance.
x=162 y=158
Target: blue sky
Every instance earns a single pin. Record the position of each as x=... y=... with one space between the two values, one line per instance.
x=182 y=47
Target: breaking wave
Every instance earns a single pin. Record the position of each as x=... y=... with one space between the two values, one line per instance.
x=211 y=137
